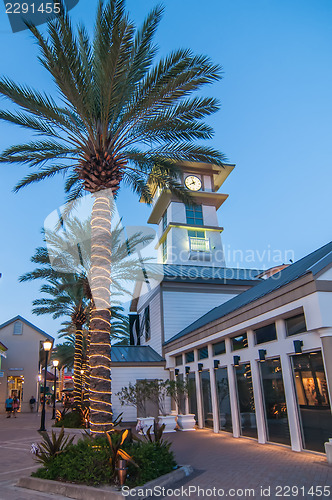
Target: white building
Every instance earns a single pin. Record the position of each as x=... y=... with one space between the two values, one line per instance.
x=22 y=361
x=257 y=352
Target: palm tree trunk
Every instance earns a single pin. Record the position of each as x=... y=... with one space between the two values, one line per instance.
x=100 y=345
x=78 y=366
x=86 y=395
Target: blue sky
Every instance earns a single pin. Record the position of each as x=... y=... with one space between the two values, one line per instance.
x=274 y=124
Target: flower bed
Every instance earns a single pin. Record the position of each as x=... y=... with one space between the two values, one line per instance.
x=93 y=461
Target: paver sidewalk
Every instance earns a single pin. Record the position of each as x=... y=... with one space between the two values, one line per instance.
x=220 y=461
x=236 y=465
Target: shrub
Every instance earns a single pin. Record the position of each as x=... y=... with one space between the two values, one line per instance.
x=88 y=462
x=72 y=420
x=85 y=462
x=153 y=460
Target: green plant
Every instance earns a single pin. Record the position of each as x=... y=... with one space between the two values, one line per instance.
x=157 y=392
x=157 y=434
x=177 y=389
x=115 y=440
x=135 y=395
x=153 y=460
x=71 y=420
x=85 y=462
x=50 y=448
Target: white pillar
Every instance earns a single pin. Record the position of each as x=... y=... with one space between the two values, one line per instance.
x=233 y=393
x=259 y=402
x=214 y=399
x=290 y=392
x=326 y=338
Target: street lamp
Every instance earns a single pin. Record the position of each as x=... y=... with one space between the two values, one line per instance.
x=47 y=347
x=55 y=364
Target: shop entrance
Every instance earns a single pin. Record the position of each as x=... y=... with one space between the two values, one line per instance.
x=15 y=385
x=313 y=400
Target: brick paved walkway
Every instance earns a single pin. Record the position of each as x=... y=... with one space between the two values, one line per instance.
x=226 y=463
x=219 y=461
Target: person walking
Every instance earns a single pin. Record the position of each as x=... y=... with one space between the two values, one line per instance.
x=9 y=406
x=32 y=403
x=16 y=405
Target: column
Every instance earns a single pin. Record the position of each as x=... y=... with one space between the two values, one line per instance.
x=326 y=338
x=215 y=410
x=258 y=398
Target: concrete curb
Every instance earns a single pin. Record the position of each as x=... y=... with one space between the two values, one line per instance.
x=82 y=492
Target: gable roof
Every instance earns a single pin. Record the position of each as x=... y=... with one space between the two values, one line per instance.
x=20 y=318
x=312 y=263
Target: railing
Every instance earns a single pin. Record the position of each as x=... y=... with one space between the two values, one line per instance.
x=199 y=244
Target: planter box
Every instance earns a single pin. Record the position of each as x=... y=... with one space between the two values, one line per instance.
x=169 y=421
x=82 y=492
x=145 y=423
x=187 y=422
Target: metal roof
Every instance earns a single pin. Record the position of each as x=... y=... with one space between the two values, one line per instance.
x=135 y=354
x=188 y=272
x=314 y=262
x=20 y=318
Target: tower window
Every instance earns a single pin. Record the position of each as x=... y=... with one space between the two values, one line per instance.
x=194 y=215
x=18 y=327
x=164 y=221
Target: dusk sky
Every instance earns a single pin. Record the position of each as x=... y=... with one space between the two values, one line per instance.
x=275 y=124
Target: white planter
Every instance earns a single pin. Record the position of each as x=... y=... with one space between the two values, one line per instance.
x=143 y=423
x=169 y=421
x=187 y=422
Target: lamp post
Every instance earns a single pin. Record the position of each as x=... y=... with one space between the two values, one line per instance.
x=47 y=347
x=55 y=364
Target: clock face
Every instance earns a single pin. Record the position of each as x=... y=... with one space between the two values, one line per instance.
x=193 y=183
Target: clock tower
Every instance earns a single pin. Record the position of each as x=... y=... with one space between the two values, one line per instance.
x=190 y=234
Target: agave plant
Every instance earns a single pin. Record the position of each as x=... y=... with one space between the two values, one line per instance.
x=50 y=448
x=116 y=440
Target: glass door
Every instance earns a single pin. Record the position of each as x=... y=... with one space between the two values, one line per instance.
x=313 y=400
x=206 y=399
x=224 y=405
x=192 y=395
x=275 y=402
x=246 y=401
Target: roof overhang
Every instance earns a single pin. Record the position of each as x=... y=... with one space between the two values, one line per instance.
x=200 y=197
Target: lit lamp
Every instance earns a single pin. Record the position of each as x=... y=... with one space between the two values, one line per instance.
x=47 y=347
x=55 y=364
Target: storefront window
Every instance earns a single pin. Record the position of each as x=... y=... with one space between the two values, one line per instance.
x=182 y=401
x=239 y=342
x=190 y=357
x=275 y=402
x=224 y=405
x=192 y=395
x=313 y=400
x=206 y=399
x=295 y=325
x=219 y=348
x=266 y=333
x=246 y=400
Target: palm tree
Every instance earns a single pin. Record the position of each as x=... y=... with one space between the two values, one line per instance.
x=119 y=116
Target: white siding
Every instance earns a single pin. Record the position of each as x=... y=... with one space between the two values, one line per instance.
x=327 y=275
x=121 y=376
x=182 y=308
